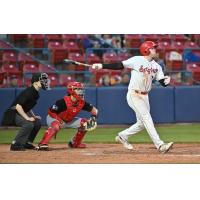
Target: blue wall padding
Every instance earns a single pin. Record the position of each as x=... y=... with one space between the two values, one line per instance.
x=187 y=103
x=7 y=95
x=113 y=107
x=162 y=104
x=168 y=105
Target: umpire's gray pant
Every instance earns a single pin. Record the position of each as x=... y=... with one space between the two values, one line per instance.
x=28 y=130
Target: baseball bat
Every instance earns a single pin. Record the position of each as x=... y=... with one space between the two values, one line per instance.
x=76 y=63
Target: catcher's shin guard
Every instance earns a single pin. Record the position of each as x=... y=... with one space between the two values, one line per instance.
x=50 y=132
x=78 y=137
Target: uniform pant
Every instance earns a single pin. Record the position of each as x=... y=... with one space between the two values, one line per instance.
x=75 y=123
x=28 y=130
x=140 y=104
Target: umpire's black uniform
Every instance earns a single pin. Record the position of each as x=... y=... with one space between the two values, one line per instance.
x=27 y=99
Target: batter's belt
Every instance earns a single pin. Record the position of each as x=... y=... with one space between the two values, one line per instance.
x=140 y=92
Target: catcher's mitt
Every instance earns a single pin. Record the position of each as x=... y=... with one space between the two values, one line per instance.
x=91 y=124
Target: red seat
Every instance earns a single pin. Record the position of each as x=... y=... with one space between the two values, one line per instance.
x=123 y=56
x=164 y=38
x=9 y=57
x=69 y=37
x=110 y=57
x=55 y=45
x=97 y=74
x=79 y=58
x=53 y=37
x=150 y=37
x=179 y=38
x=195 y=69
x=65 y=79
x=10 y=68
x=18 y=37
x=4 y=44
x=46 y=68
x=190 y=44
x=30 y=68
x=36 y=40
x=71 y=47
x=133 y=40
x=178 y=45
x=163 y=47
x=58 y=53
x=25 y=58
x=92 y=58
x=53 y=80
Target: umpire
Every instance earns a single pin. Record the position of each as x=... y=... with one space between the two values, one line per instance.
x=20 y=113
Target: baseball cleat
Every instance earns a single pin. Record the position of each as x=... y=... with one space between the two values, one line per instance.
x=29 y=145
x=124 y=142
x=42 y=147
x=71 y=145
x=164 y=148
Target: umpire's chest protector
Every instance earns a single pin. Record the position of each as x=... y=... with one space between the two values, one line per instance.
x=72 y=110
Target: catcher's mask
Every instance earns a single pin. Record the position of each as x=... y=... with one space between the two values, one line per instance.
x=43 y=78
x=76 y=89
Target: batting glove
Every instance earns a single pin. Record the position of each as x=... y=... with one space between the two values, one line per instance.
x=97 y=66
x=167 y=80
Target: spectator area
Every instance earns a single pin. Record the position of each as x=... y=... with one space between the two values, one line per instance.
x=24 y=54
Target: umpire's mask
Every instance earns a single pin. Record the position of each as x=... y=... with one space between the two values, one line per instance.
x=43 y=78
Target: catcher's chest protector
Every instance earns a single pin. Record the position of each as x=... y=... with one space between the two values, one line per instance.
x=72 y=110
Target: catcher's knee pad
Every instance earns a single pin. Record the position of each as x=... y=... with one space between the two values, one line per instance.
x=50 y=132
x=82 y=125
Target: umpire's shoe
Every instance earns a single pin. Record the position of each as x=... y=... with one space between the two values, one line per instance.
x=17 y=147
x=29 y=145
x=42 y=147
x=125 y=143
x=164 y=148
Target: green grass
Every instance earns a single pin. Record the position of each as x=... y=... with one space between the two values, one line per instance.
x=175 y=133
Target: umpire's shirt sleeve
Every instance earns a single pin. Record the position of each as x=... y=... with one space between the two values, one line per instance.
x=27 y=99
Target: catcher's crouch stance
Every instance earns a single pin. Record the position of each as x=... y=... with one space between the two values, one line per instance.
x=63 y=114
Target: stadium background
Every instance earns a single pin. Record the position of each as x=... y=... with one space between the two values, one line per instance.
x=178 y=54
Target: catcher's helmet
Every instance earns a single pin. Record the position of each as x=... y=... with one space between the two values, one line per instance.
x=76 y=89
x=145 y=46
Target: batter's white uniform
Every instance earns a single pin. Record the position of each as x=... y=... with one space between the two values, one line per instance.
x=142 y=74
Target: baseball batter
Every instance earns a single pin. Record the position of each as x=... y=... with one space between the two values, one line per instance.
x=144 y=69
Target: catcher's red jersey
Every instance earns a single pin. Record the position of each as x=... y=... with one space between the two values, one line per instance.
x=72 y=110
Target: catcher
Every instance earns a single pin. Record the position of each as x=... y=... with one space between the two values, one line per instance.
x=63 y=114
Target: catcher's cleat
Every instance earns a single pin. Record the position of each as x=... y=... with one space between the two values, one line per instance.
x=124 y=142
x=42 y=147
x=164 y=148
x=71 y=145
x=29 y=145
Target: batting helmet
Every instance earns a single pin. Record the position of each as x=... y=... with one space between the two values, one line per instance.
x=145 y=46
x=76 y=89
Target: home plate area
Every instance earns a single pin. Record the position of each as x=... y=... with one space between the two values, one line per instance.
x=103 y=154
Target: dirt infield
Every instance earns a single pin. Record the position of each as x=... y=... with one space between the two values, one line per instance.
x=103 y=154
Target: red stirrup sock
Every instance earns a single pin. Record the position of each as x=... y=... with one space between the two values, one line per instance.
x=78 y=137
